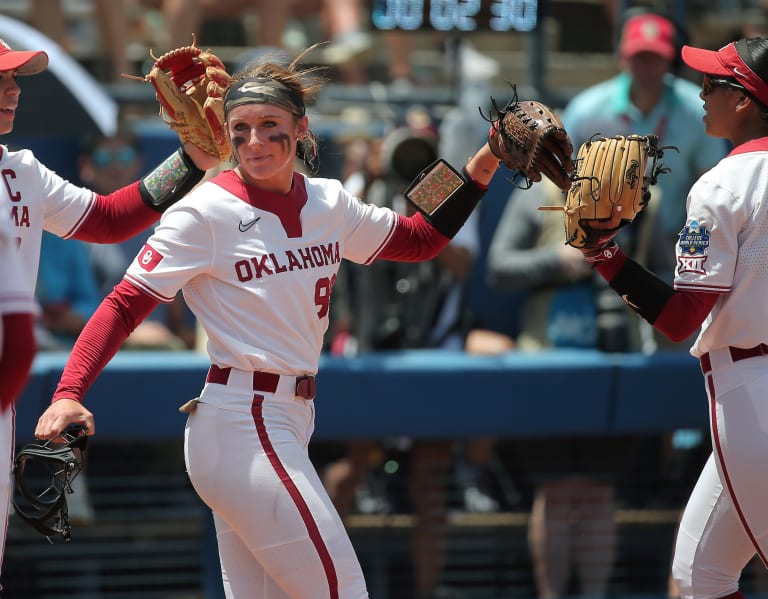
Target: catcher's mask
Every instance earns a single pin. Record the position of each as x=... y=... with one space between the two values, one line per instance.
x=43 y=474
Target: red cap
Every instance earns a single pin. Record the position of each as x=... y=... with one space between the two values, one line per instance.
x=648 y=33
x=29 y=62
x=729 y=61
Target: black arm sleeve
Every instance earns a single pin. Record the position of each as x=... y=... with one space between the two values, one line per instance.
x=170 y=181
x=444 y=196
x=641 y=290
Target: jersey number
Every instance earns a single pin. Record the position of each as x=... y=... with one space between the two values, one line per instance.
x=323 y=289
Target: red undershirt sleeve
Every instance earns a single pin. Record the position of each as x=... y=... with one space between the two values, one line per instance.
x=117 y=217
x=115 y=319
x=16 y=358
x=682 y=313
x=414 y=240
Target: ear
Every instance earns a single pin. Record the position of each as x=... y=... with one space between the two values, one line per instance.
x=302 y=126
x=746 y=103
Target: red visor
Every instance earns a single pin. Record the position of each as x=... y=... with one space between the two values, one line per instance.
x=726 y=62
x=29 y=62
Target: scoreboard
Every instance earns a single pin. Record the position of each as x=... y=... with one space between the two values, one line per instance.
x=455 y=15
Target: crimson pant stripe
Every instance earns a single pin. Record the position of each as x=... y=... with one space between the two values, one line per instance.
x=298 y=500
x=724 y=467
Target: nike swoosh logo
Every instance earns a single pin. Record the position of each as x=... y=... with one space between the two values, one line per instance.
x=245 y=226
x=625 y=297
x=738 y=72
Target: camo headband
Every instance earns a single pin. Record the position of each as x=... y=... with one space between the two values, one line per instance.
x=262 y=90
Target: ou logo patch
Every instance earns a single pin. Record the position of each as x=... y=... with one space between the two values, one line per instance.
x=149 y=258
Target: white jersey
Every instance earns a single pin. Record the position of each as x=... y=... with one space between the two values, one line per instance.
x=723 y=248
x=39 y=199
x=15 y=297
x=257 y=268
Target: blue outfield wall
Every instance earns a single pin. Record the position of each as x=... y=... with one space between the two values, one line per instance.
x=418 y=393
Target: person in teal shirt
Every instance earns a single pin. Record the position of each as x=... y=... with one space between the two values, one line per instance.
x=66 y=291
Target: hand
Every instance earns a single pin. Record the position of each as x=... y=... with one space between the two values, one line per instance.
x=602 y=231
x=573 y=266
x=201 y=158
x=59 y=415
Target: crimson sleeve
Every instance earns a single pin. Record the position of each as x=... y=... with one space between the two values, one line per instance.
x=115 y=319
x=16 y=358
x=677 y=314
x=684 y=312
x=414 y=240
x=117 y=217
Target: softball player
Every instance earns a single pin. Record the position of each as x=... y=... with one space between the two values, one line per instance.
x=721 y=284
x=256 y=251
x=37 y=198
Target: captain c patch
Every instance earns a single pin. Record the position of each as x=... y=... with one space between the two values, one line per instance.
x=693 y=243
x=148 y=258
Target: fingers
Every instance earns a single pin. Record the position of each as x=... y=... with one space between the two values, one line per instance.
x=61 y=414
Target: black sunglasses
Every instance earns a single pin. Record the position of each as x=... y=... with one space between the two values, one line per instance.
x=710 y=83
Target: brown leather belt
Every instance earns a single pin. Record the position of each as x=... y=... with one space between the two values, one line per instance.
x=265 y=381
x=737 y=354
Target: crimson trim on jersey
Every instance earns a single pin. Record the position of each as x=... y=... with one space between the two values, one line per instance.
x=710 y=288
x=82 y=219
x=166 y=299
x=286 y=207
x=726 y=475
x=754 y=145
x=384 y=243
x=295 y=494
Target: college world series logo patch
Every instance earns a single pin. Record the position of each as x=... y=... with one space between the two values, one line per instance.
x=693 y=243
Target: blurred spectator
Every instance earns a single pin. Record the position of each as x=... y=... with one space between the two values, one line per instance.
x=483 y=481
x=344 y=23
x=50 y=18
x=166 y=24
x=183 y=18
x=406 y=306
x=66 y=291
x=341 y=21
x=104 y=165
x=571 y=528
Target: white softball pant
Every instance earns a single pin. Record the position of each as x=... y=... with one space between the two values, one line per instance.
x=725 y=522
x=278 y=532
x=7 y=432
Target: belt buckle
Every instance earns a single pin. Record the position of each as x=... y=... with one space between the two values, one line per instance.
x=306 y=386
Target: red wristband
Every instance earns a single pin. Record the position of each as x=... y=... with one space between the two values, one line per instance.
x=605 y=253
